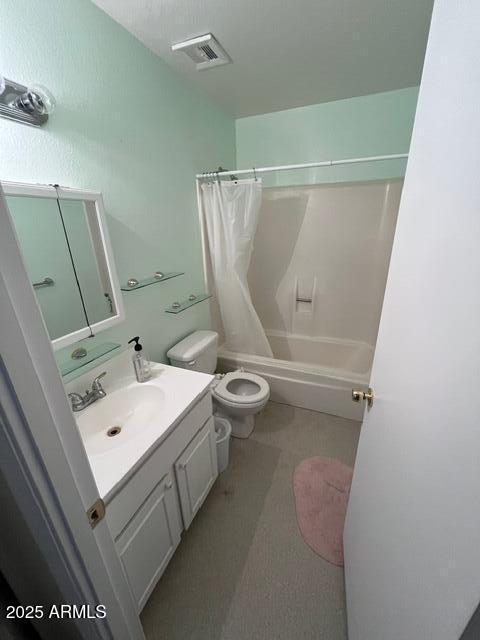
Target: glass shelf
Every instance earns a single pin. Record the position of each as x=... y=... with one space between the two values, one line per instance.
x=72 y=364
x=148 y=281
x=185 y=304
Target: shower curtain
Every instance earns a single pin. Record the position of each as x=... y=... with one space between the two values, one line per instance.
x=231 y=212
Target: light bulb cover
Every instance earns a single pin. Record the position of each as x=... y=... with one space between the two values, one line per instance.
x=27 y=104
x=42 y=99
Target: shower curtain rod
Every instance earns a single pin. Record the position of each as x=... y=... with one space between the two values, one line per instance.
x=307 y=165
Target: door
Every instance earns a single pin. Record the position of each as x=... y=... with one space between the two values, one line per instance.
x=196 y=471
x=412 y=535
x=150 y=540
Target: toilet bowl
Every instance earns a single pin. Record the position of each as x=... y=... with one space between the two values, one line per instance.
x=237 y=396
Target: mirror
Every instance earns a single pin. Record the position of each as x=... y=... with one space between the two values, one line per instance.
x=64 y=240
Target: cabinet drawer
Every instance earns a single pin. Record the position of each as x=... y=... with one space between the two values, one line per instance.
x=150 y=539
x=125 y=503
x=196 y=471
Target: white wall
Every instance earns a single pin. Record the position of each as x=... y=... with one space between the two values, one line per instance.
x=336 y=239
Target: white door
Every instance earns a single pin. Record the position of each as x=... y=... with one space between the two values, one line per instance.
x=412 y=536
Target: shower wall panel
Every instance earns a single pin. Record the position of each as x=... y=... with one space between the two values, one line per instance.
x=320 y=258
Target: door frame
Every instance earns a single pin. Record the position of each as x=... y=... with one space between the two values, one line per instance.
x=44 y=462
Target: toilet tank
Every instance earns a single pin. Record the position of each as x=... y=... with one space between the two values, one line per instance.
x=197 y=352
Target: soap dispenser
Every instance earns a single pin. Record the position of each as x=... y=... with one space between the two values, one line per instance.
x=140 y=361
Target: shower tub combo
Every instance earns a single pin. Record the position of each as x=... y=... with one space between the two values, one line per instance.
x=317 y=288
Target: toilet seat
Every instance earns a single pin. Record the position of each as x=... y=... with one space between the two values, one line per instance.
x=245 y=388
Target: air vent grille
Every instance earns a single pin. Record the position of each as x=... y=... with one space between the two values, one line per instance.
x=205 y=51
x=209 y=52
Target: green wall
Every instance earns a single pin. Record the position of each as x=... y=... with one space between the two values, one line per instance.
x=128 y=126
x=370 y=125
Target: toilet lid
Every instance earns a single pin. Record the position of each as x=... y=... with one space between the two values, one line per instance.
x=240 y=387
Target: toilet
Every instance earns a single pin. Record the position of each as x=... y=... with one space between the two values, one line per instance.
x=237 y=396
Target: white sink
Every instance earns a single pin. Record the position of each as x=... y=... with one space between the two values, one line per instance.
x=141 y=415
x=120 y=417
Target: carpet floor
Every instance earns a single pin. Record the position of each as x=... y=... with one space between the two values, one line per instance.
x=243 y=571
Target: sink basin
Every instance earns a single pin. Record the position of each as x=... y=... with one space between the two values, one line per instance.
x=120 y=417
x=119 y=430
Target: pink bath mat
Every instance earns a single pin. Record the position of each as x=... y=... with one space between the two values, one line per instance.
x=321 y=487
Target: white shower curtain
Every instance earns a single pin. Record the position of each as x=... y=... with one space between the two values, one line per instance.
x=231 y=212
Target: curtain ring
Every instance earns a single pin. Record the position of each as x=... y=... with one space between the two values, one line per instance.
x=255 y=174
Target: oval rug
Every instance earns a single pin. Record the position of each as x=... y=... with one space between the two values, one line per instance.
x=321 y=487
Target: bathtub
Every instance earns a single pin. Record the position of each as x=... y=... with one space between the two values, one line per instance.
x=310 y=372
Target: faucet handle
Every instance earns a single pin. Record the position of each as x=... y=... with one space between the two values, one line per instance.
x=76 y=401
x=98 y=378
x=97 y=385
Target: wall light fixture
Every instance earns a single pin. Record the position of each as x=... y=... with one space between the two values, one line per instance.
x=30 y=105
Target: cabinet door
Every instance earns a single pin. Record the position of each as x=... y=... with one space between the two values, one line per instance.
x=150 y=539
x=196 y=471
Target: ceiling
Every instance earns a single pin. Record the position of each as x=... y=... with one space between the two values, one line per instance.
x=287 y=53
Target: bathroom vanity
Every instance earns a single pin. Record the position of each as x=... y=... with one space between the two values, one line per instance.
x=157 y=468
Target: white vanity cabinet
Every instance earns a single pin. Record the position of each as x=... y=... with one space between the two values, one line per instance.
x=196 y=471
x=145 y=514
x=150 y=539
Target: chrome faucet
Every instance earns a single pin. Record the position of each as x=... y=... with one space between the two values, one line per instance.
x=79 y=402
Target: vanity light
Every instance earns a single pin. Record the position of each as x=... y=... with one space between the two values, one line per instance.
x=36 y=99
x=30 y=105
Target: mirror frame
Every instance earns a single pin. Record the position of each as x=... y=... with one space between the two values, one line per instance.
x=95 y=198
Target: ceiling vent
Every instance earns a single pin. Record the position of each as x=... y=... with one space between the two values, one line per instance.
x=204 y=51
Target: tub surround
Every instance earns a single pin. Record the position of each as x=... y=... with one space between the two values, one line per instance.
x=335 y=356
x=333 y=252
